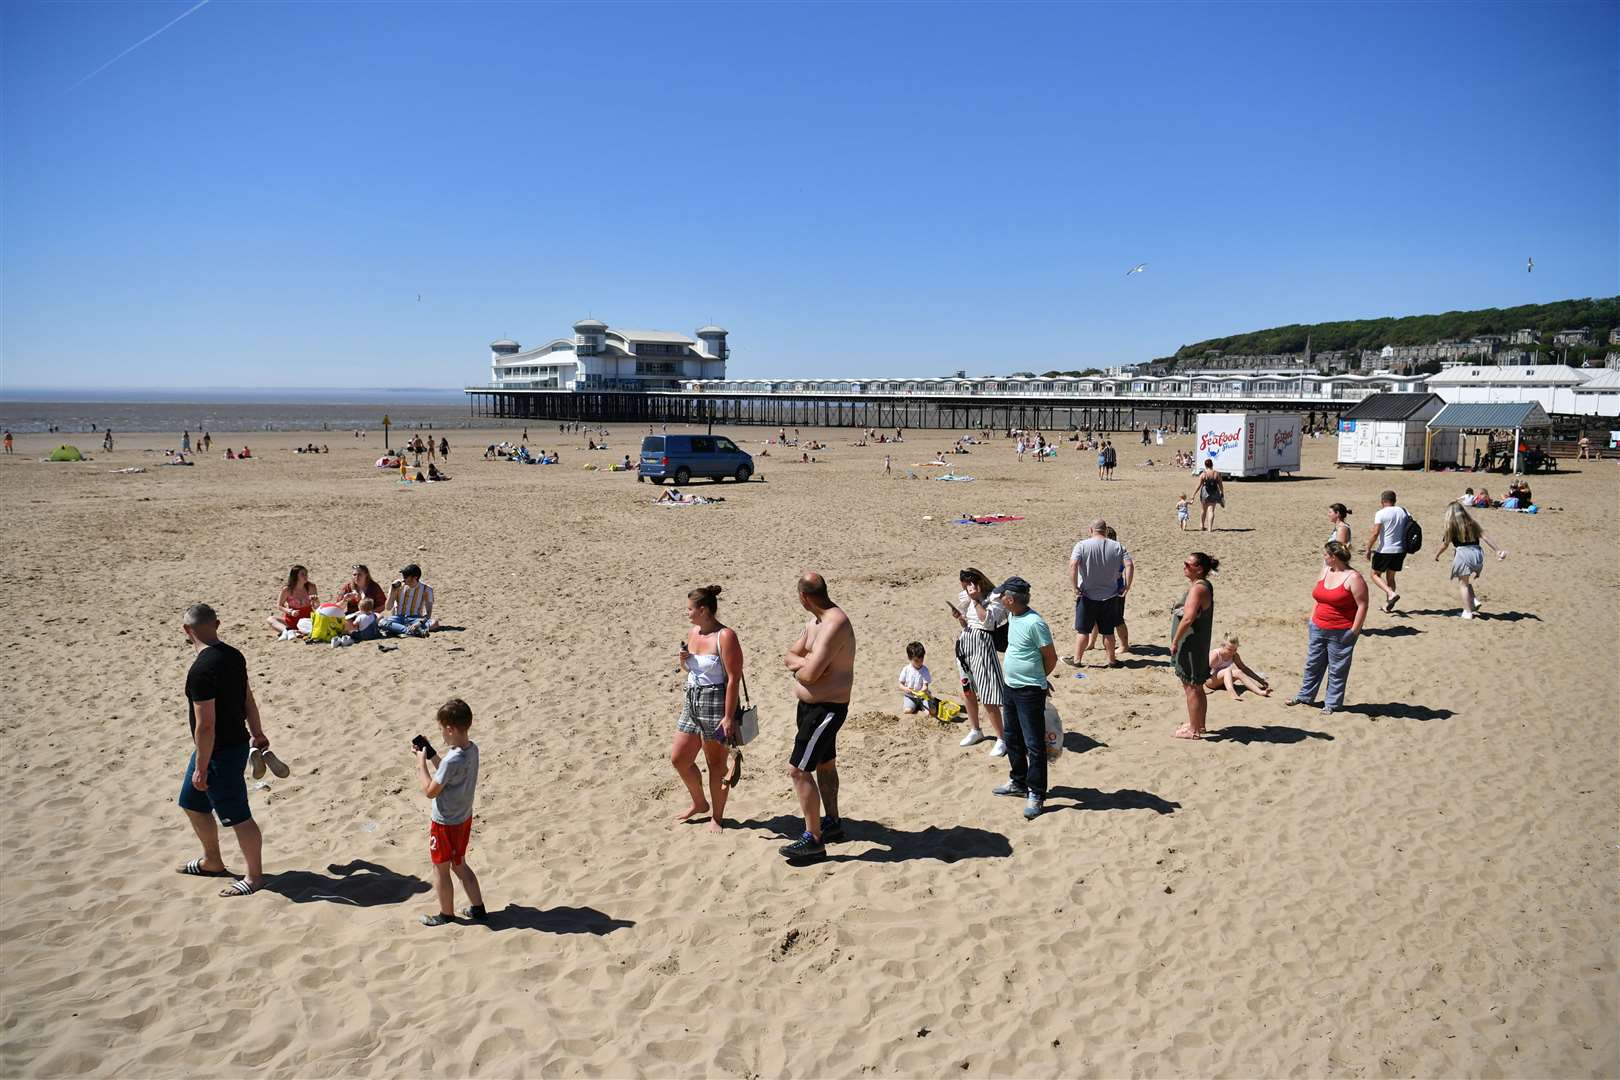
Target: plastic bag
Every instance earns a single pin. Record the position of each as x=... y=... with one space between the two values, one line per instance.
x=1054 y=732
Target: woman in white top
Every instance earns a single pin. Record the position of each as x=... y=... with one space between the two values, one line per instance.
x=1339 y=518
x=712 y=659
x=978 y=616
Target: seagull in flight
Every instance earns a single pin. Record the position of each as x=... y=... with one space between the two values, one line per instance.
x=1530 y=265
x=1137 y=269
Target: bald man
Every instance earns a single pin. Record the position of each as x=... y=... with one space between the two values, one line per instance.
x=823 y=665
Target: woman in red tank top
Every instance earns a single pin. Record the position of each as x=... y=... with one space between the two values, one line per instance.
x=1341 y=607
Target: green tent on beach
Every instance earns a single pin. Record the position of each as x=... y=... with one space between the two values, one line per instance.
x=66 y=453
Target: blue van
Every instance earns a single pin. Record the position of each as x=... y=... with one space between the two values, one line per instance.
x=681 y=457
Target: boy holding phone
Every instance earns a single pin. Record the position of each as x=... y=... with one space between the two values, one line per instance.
x=450 y=783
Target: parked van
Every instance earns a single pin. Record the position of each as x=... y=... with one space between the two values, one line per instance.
x=681 y=457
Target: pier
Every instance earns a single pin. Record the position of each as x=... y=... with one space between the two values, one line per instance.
x=880 y=411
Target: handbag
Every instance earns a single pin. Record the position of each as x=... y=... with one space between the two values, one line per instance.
x=746 y=728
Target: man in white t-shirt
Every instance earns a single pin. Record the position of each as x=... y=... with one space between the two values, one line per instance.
x=1386 y=546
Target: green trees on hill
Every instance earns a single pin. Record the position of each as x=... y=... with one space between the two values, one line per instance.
x=1600 y=315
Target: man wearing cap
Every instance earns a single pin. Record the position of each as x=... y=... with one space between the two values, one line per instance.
x=1096 y=567
x=1030 y=659
x=410 y=605
x=223 y=713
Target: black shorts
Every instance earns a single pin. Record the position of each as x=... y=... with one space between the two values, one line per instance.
x=1382 y=562
x=817 y=740
x=1098 y=615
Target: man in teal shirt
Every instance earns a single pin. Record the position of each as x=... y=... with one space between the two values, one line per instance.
x=1029 y=660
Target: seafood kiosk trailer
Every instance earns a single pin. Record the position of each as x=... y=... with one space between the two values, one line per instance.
x=1246 y=445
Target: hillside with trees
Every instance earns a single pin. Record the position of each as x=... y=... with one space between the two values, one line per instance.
x=1600 y=315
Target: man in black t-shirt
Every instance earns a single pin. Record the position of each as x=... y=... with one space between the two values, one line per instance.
x=222 y=713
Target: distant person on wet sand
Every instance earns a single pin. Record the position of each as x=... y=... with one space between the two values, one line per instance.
x=1464 y=534
x=8 y=442
x=711 y=656
x=822 y=661
x=225 y=731
x=1211 y=493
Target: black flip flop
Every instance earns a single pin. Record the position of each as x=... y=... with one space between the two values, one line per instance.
x=194 y=868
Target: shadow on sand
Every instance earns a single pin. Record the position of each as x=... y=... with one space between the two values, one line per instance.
x=1398 y=710
x=359 y=884
x=1271 y=733
x=948 y=845
x=1483 y=616
x=557 y=920
x=1092 y=799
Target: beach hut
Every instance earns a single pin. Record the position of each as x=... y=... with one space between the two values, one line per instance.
x=1482 y=419
x=66 y=453
x=1391 y=431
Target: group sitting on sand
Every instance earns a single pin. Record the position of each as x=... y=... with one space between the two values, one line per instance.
x=361 y=611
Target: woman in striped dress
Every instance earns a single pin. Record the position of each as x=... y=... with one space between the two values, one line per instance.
x=978 y=615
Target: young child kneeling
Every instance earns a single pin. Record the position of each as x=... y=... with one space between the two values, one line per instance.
x=915 y=681
x=451 y=789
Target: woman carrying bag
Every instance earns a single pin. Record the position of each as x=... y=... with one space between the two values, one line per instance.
x=712 y=659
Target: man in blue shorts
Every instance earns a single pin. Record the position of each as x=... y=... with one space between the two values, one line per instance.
x=222 y=713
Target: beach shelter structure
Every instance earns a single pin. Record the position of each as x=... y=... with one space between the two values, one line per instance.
x=66 y=453
x=1391 y=431
x=1482 y=419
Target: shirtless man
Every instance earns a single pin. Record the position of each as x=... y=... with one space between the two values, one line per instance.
x=823 y=666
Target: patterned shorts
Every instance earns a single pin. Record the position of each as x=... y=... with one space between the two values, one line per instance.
x=702 y=711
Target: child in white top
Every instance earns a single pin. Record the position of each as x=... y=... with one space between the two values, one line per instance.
x=915 y=680
x=1182 y=512
x=362 y=625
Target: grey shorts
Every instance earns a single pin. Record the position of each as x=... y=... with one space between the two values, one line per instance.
x=702 y=711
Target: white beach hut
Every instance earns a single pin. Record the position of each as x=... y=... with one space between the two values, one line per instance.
x=1388 y=431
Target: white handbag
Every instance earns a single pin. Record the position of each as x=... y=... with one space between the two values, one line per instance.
x=746 y=729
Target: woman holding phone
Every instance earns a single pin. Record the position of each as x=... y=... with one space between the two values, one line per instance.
x=712 y=659
x=978 y=615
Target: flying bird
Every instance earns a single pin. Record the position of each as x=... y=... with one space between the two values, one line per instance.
x=1137 y=269
x=1530 y=265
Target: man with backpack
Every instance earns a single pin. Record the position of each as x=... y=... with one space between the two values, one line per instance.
x=1394 y=535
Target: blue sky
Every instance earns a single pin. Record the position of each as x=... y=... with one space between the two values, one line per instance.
x=258 y=195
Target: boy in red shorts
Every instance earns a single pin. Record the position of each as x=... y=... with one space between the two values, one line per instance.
x=450 y=784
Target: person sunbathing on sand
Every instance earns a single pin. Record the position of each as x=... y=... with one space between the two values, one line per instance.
x=1226 y=668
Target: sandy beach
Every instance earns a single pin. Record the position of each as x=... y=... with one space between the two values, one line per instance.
x=1425 y=884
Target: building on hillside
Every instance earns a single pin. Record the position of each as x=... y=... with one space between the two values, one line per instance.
x=1549 y=385
x=599 y=357
x=1526 y=337
x=1614 y=336
x=1579 y=336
